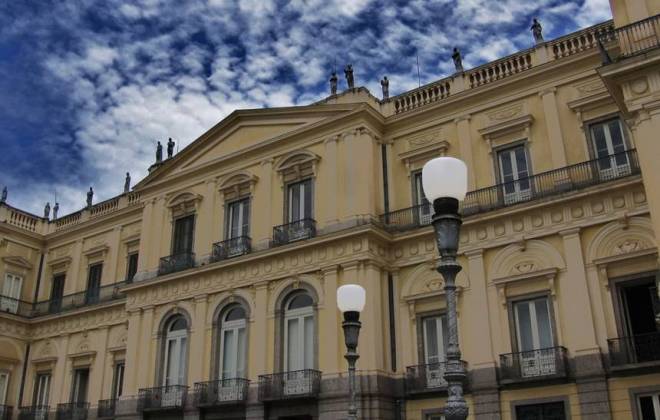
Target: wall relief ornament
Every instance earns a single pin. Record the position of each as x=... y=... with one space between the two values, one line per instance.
x=424 y=138
x=506 y=113
x=588 y=87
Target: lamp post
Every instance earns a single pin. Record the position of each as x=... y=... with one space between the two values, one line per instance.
x=350 y=301
x=445 y=183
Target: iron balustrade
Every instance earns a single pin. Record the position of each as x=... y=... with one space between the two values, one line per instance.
x=637 y=38
x=176 y=262
x=294 y=231
x=15 y=306
x=72 y=411
x=546 y=184
x=547 y=363
x=171 y=397
x=34 y=412
x=106 y=408
x=232 y=247
x=290 y=385
x=6 y=412
x=634 y=349
x=427 y=378
x=102 y=294
x=221 y=392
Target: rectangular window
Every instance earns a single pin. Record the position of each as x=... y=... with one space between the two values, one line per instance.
x=94 y=283
x=184 y=228
x=118 y=381
x=423 y=206
x=80 y=382
x=435 y=349
x=57 y=292
x=648 y=407
x=131 y=266
x=299 y=201
x=534 y=338
x=4 y=384
x=11 y=293
x=608 y=145
x=238 y=219
x=514 y=174
x=41 y=389
x=547 y=411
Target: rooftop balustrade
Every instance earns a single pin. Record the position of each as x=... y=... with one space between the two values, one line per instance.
x=635 y=39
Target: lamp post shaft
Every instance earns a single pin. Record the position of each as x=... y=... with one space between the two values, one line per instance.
x=351 y=326
x=352 y=406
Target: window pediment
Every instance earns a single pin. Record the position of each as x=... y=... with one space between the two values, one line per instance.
x=98 y=251
x=18 y=262
x=499 y=133
x=184 y=203
x=237 y=185
x=297 y=165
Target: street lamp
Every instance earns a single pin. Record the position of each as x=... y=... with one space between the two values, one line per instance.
x=350 y=301
x=444 y=180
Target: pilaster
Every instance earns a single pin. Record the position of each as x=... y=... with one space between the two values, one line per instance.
x=553 y=126
x=198 y=342
x=130 y=373
x=259 y=335
x=465 y=147
x=146 y=355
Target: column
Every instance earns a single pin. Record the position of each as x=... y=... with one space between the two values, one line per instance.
x=465 y=147
x=263 y=200
x=259 y=326
x=130 y=372
x=198 y=342
x=62 y=370
x=145 y=230
x=204 y=235
x=97 y=371
x=113 y=257
x=330 y=349
x=555 y=137
x=146 y=359
x=76 y=281
x=330 y=179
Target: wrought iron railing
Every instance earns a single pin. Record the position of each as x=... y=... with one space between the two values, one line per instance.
x=289 y=385
x=638 y=37
x=6 y=412
x=172 y=397
x=221 y=392
x=34 y=412
x=427 y=378
x=294 y=231
x=106 y=408
x=547 y=363
x=72 y=411
x=546 y=184
x=15 y=306
x=176 y=262
x=79 y=300
x=232 y=247
x=634 y=349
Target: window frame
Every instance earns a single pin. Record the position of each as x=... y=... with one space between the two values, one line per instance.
x=176 y=336
x=74 y=396
x=235 y=326
x=242 y=201
x=635 y=393
x=191 y=216
x=615 y=284
x=11 y=303
x=513 y=329
x=538 y=401
x=88 y=290
x=36 y=401
x=300 y=314
x=5 y=392
x=588 y=125
x=129 y=256
x=287 y=199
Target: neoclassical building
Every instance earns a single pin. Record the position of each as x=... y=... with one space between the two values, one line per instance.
x=209 y=290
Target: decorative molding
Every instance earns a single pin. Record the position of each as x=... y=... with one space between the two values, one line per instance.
x=96 y=250
x=521 y=124
x=588 y=87
x=506 y=113
x=17 y=261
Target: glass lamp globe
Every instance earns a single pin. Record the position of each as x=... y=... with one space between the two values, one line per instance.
x=444 y=177
x=351 y=298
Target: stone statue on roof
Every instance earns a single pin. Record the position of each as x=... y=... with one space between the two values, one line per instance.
x=385 y=84
x=3 y=198
x=537 y=31
x=90 y=197
x=348 y=72
x=127 y=183
x=55 y=210
x=333 y=83
x=47 y=210
x=159 y=153
x=170 y=147
x=458 y=60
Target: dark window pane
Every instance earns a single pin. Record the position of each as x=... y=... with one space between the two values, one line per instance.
x=132 y=266
x=300 y=301
x=183 y=234
x=646 y=408
x=178 y=323
x=235 y=314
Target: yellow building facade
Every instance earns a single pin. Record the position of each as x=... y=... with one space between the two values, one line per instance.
x=209 y=290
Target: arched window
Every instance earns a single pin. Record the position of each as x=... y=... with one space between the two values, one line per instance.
x=233 y=343
x=299 y=332
x=176 y=346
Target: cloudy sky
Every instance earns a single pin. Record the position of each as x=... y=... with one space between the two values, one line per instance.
x=87 y=87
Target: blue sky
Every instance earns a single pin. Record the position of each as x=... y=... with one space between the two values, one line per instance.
x=87 y=87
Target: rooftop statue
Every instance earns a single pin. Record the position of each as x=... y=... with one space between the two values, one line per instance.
x=348 y=72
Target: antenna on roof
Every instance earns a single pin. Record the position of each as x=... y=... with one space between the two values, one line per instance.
x=419 y=79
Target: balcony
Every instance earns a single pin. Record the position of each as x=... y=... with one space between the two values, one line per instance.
x=15 y=306
x=428 y=378
x=221 y=392
x=171 y=397
x=78 y=300
x=34 y=412
x=232 y=247
x=6 y=412
x=176 y=262
x=546 y=184
x=640 y=350
x=636 y=38
x=106 y=409
x=533 y=365
x=294 y=231
x=290 y=385
x=72 y=411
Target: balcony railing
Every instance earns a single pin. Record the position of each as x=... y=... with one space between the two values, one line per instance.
x=232 y=247
x=172 y=397
x=634 y=349
x=548 y=363
x=546 y=184
x=221 y=392
x=176 y=262
x=6 y=412
x=15 y=306
x=289 y=385
x=638 y=37
x=294 y=231
x=427 y=378
x=72 y=411
x=34 y=412
x=79 y=300
x=106 y=408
